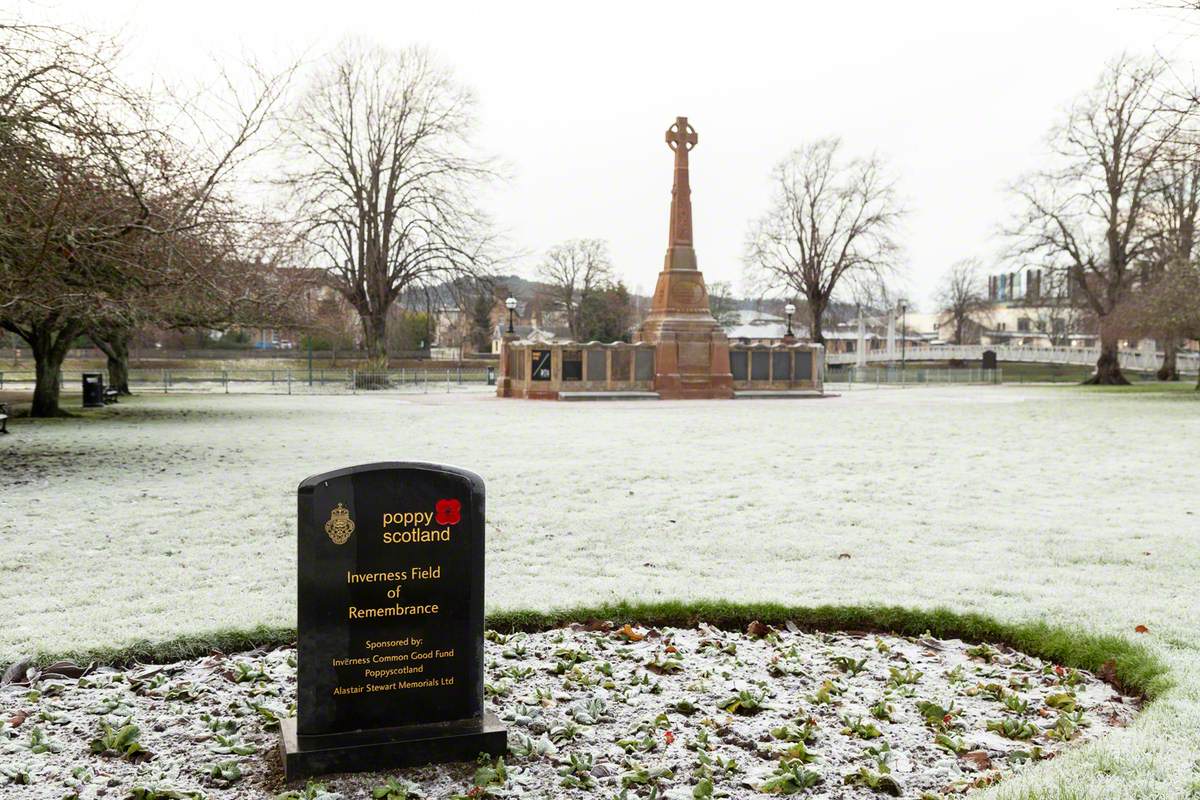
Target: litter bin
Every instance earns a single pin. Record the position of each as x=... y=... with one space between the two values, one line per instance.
x=491 y=372
x=93 y=390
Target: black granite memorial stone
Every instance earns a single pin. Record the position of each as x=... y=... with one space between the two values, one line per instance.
x=390 y=621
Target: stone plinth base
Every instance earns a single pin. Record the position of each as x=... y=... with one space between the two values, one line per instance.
x=371 y=750
x=691 y=358
x=690 y=363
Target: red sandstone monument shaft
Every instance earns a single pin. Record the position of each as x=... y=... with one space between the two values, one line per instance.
x=681 y=138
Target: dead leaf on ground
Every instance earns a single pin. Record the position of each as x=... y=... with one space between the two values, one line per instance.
x=1108 y=671
x=979 y=759
x=593 y=626
x=67 y=669
x=630 y=634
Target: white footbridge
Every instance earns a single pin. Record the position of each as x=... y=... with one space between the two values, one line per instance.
x=1144 y=360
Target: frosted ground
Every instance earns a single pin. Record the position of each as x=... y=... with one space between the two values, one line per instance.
x=176 y=515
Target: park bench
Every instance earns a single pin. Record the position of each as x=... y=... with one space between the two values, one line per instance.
x=3 y=418
x=110 y=395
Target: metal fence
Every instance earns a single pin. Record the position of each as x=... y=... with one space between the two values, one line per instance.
x=277 y=381
x=887 y=375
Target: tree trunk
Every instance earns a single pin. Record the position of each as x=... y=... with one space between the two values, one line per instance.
x=1108 y=366
x=115 y=345
x=118 y=370
x=1169 y=371
x=49 y=341
x=816 y=310
x=374 y=322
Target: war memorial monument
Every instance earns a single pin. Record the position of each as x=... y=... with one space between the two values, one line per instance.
x=679 y=351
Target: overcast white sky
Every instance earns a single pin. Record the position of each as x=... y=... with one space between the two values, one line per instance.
x=575 y=97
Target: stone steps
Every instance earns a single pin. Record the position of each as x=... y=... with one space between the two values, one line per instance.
x=578 y=396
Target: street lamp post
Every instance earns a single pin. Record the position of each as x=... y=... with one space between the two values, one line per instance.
x=511 y=305
x=789 y=309
x=903 y=337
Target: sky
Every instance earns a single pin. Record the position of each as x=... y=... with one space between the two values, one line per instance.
x=957 y=97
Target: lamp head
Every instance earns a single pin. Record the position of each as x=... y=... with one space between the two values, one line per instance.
x=789 y=308
x=510 y=303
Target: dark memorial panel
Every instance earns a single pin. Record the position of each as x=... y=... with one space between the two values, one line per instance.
x=572 y=365
x=781 y=366
x=541 y=365
x=597 y=365
x=760 y=365
x=804 y=365
x=621 y=365
x=644 y=365
x=390 y=621
x=737 y=364
x=516 y=363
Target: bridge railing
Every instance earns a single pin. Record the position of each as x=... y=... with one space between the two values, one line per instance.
x=1143 y=360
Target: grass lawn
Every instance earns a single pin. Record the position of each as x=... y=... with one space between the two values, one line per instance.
x=173 y=516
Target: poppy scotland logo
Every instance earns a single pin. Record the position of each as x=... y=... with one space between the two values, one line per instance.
x=449 y=512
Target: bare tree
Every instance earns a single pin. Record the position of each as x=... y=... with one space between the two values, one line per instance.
x=1167 y=305
x=574 y=270
x=101 y=201
x=963 y=299
x=382 y=176
x=723 y=304
x=1090 y=217
x=1055 y=311
x=831 y=221
x=1174 y=212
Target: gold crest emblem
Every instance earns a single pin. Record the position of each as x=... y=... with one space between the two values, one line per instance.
x=340 y=526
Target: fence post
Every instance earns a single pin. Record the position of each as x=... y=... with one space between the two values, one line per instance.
x=354 y=381
x=164 y=381
x=289 y=374
x=225 y=379
x=447 y=380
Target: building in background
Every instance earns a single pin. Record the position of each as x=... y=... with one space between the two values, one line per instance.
x=1029 y=308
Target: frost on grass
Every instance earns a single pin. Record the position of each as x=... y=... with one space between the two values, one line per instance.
x=592 y=711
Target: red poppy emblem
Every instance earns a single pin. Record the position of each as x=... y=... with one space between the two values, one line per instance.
x=449 y=512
